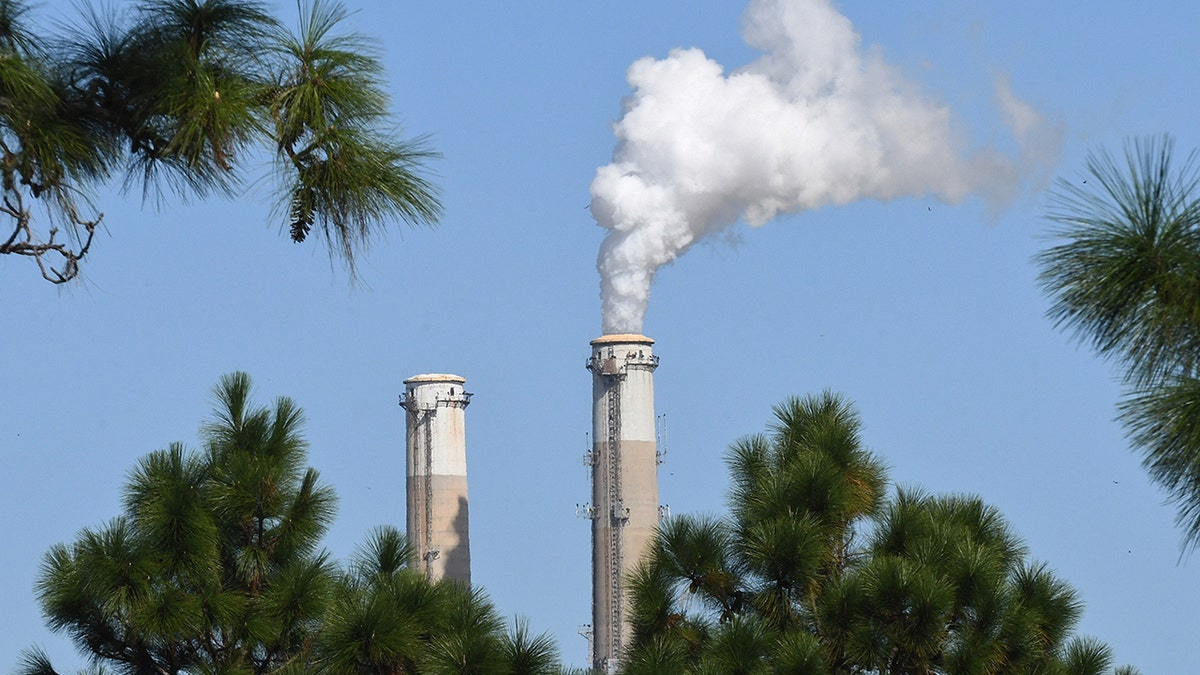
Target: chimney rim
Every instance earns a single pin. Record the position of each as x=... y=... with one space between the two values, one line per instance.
x=622 y=338
x=435 y=377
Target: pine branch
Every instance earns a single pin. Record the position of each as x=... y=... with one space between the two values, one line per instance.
x=22 y=241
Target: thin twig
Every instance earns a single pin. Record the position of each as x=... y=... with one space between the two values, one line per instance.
x=22 y=241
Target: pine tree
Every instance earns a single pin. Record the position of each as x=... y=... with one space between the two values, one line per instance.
x=215 y=566
x=818 y=570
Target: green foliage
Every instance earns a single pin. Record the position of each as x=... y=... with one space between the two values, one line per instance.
x=1125 y=278
x=182 y=94
x=816 y=570
x=215 y=566
x=329 y=109
x=526 y=654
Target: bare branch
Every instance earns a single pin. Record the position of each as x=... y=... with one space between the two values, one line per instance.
x=22 y=241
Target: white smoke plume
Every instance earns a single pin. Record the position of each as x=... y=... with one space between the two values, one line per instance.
x=814 y=121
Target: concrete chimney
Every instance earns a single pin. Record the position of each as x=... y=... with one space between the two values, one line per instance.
x=624 y=509
x=436 y=471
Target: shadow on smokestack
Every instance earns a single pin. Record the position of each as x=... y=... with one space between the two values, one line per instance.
x=458 y=559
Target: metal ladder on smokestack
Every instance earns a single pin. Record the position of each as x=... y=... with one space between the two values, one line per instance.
x=616 y=515
x=430 y=554
x=428 y=413
x=423 y=417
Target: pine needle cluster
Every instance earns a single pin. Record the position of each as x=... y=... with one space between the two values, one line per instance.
x=1124 y=278
x=181 y=97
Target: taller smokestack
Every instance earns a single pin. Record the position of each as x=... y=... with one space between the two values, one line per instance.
x=436 y=470
x=624 y=507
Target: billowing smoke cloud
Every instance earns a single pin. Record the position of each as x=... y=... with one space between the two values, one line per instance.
x=814 y=121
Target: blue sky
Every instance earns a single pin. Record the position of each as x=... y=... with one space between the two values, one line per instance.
x=926 y=314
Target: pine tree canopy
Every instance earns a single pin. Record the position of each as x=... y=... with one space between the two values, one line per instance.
x=189 y=97
x=819 y=569
x=215 y=566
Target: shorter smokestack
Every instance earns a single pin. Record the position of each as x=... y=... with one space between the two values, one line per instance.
x=436 y=471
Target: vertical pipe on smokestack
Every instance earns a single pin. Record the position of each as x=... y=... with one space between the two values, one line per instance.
x=436 y=468
x=624 y=462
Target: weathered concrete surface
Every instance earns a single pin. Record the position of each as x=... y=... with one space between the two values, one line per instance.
x=436 y=475
x=624 y=482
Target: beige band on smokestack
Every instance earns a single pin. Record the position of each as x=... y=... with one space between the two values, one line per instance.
x=436 y=472
x=624 y=462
